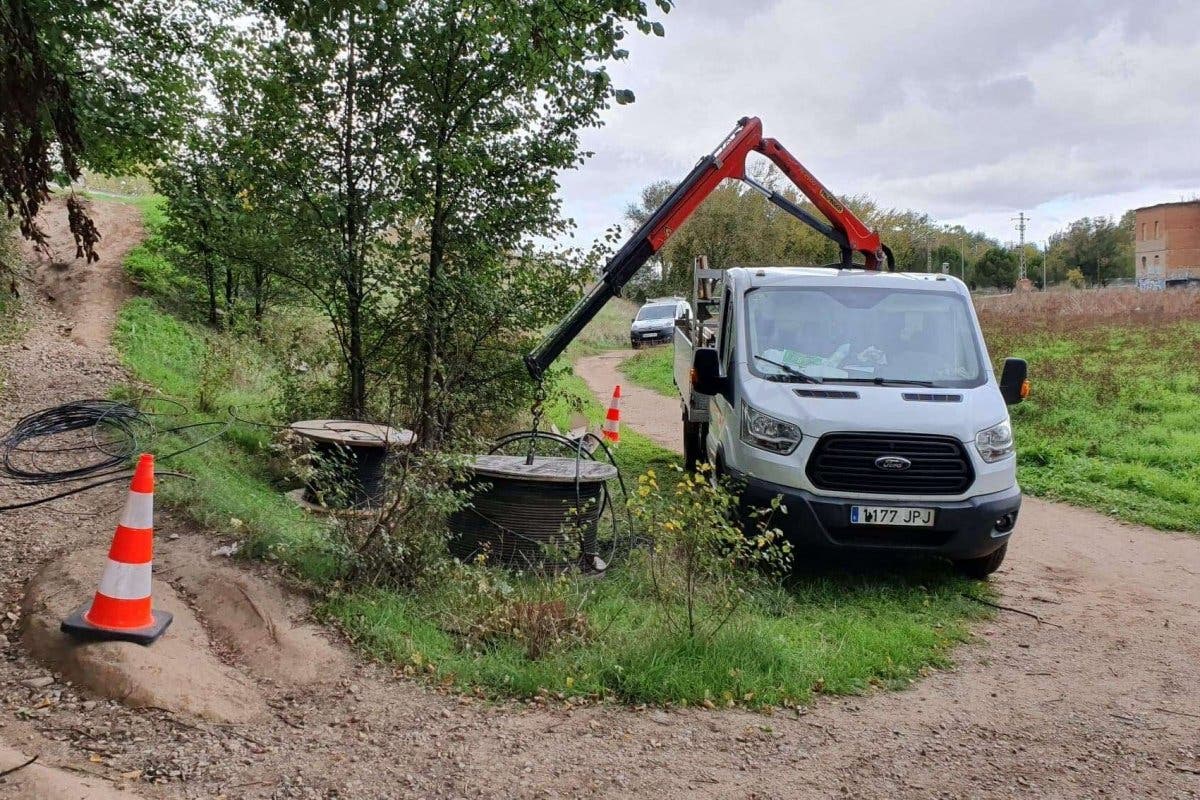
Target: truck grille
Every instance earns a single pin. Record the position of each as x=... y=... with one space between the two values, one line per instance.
x=845 y=462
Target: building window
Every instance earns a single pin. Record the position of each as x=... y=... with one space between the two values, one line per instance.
x=1143 y=231
x=1155 y=229
x=1143 y=265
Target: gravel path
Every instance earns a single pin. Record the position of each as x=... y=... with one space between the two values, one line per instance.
x=1099 y=700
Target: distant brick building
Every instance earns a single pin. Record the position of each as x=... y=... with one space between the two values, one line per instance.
x=1166 y=244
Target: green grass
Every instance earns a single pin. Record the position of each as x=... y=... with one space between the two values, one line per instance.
x=831 y=633
x=835 y=633
x=570 y=397
x=608 y=330
x=654 y=369
x=1113 y=422
x=233 y=492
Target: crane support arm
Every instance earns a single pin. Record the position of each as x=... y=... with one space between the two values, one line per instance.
x=727 y=161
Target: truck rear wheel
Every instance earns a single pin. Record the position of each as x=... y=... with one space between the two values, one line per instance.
x=694 y=434
x=980 y=568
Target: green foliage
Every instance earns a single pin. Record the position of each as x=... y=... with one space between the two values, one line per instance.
x=1098 y=247
x=1114 y=418
x=102 y=84
x=1075 y=279
x=700 y=560
x=997 y=267
x=406 y=156
x=653 y=368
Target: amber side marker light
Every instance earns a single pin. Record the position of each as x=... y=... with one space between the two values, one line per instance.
x=692 y=377
x=1024 y=388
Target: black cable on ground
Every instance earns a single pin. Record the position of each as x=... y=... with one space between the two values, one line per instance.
x=34 y=453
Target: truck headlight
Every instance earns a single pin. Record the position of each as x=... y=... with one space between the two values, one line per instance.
x=767 y=433
x=995 y=443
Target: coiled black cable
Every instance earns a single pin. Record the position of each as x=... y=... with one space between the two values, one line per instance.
x=38 y=450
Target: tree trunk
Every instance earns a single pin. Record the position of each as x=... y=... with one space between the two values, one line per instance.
x=210 y=281
x=230 y=292
x=427 y=431
x=355 y=363
x=353 y=267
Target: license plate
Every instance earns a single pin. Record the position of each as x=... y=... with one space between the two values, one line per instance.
x=889 y=515
x=650 y=335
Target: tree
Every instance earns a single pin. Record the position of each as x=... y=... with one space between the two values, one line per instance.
x=106 y=84
x=495 y=100
x=997 y=267
x=413 y=151
x=1100 y=248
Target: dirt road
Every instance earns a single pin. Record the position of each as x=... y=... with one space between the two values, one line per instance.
x=1103 y=699
x=1099 y=701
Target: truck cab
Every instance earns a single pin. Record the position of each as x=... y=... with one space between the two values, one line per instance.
x=864 y=399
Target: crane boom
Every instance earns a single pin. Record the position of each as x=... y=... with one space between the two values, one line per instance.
x=727 y=161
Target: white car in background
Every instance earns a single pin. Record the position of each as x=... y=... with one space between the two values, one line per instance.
x=655 y=321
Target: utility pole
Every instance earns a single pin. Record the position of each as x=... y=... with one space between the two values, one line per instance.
x=1021 y=219
x=962 y=257
x=1045 y=259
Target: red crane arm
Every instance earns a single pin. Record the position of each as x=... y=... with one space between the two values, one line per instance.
x=727 y=161
x=859 y=237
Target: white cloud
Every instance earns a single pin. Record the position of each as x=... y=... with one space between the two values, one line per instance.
x=970 y=110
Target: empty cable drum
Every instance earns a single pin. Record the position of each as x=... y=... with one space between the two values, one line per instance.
x=530 y=515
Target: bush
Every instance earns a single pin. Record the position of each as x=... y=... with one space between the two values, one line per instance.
x=699 y=559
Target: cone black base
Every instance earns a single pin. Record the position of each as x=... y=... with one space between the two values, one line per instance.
x=80 y=628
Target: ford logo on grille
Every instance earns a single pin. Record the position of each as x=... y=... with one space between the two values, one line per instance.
x=892 y=463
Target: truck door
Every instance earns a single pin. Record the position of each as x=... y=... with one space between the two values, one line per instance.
x=721 y=406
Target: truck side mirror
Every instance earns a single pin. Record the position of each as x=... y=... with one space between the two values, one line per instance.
x=706 y=372
x=1014 y=383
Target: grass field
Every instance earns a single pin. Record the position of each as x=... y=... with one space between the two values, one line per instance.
x=1114 y=419
x=1113 y=422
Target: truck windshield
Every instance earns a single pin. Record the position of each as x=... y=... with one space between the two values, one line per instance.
x=656 y=312
x=868 y=335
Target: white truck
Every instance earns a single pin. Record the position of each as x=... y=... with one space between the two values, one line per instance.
x=865 y=399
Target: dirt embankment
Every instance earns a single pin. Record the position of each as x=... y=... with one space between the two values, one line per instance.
x=1099 y=700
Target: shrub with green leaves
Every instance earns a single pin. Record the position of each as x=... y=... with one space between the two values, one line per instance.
x=702 y=556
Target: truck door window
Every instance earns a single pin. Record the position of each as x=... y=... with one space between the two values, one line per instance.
x=725 y=344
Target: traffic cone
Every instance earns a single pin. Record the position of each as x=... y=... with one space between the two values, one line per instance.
x=612 y=420
x=121 y=608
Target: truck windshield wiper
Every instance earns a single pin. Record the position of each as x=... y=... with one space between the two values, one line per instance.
x=892 y=382
x=792 y=371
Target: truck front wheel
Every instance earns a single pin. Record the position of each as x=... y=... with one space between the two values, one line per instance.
x=980 y=568
x=694 y=434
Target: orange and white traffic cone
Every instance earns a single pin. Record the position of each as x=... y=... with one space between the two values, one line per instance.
x=612 y=420
x=121 y=608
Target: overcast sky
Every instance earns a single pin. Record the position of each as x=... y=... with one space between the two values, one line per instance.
x=969 y=110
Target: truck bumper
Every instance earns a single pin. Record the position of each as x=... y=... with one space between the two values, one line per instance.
x=962 y=529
